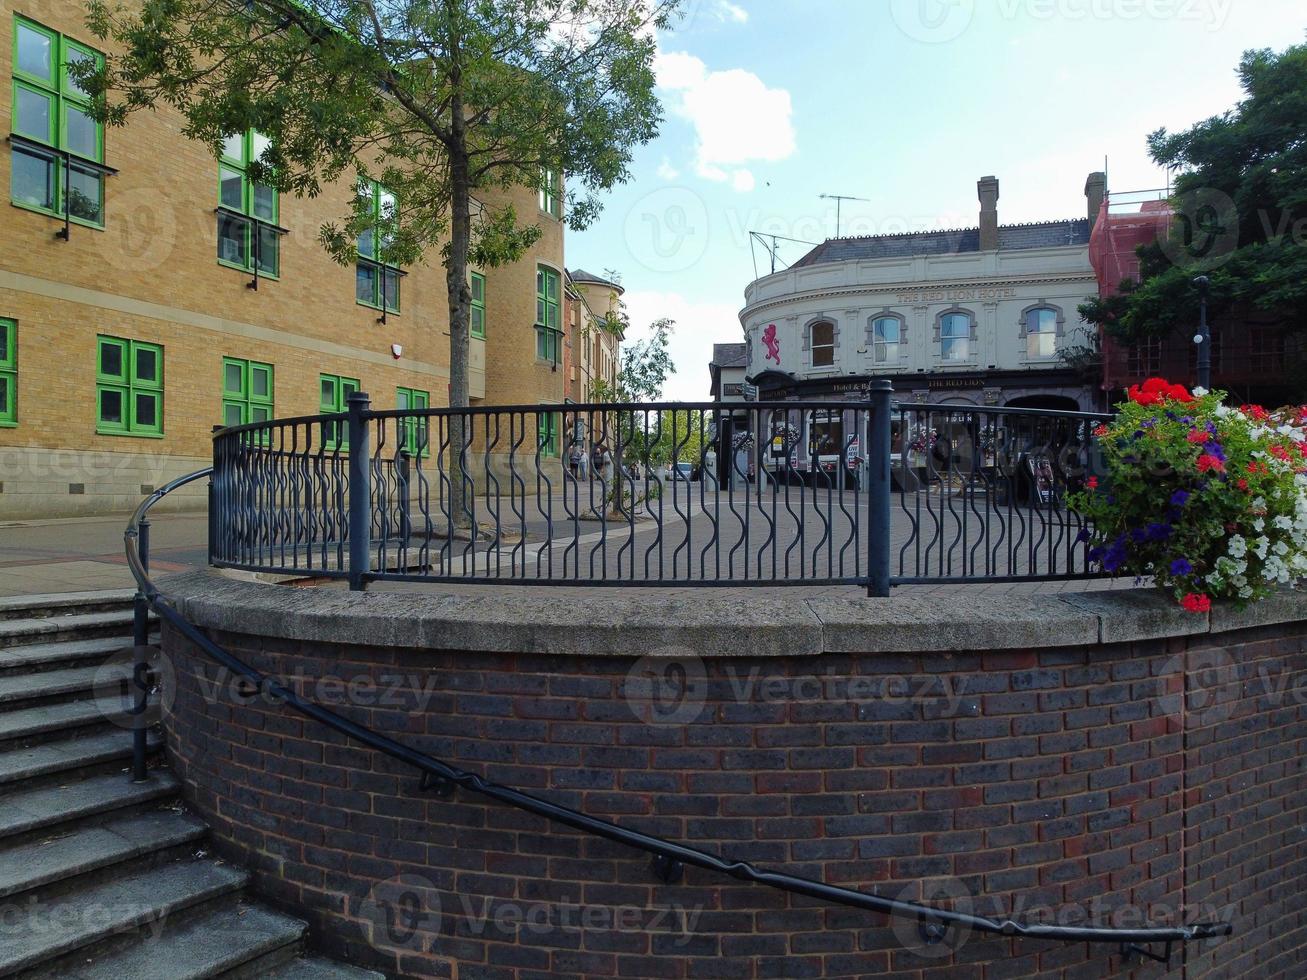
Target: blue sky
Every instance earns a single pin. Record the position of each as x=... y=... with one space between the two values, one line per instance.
x=771 y=103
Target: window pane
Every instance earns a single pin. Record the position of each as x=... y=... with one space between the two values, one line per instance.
x=233 y=378
x=111 y=406
x=231 y=240
x=80 y=133
x=231 y=192
x=6 y=393
x=392 y=290
x=1043 y=344
x=147 y=411
x=76 y=56
x=823 y=333
x=478 y=321
x=32 y=182
x=327 y=394
x=347 y=387
x=269 y=251
x=260 y=382
x=259 y=414
x=478 y=289
x=231 y=414
x=258 y=143
x=365 y=244
x=147 y=365
x=542 y=344
x=32 y=114
x=365 y=284
x=823 y=356
x=4 y=343
x=234 y=147
x=401 y=398
x=86 y=195
x=35 y=53
x=111 y=360
x=265 y=202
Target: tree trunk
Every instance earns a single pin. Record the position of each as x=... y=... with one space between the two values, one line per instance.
x=460 y=296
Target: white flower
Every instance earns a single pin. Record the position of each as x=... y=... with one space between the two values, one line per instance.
x=1261 y=547
x=1283 y=523
x=1238 y=546
x=1259 y=525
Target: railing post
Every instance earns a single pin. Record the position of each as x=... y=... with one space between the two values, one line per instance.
x=879 y=441
x=213 y=498
x=140 y=661
x=360 y=491
x=402 y=476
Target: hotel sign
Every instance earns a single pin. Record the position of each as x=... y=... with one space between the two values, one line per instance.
x=957 y=294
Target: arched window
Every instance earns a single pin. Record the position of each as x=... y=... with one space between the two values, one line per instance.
x=822 y=342
x=955 y=336
x=1041 y=332
x=886 y=339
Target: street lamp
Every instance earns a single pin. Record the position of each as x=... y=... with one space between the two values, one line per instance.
x=1204 y=336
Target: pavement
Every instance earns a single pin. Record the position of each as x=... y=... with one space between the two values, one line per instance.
x=83 y=554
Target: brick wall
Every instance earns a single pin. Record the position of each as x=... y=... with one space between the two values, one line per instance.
x=1067 y=785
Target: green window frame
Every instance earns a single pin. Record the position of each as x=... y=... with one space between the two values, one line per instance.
x=417 y=440
x=248 y=213
x=8 y=372
x=128 y=387
x=551 y=192
x=50 y=110
x=333 y=397
x=478 y=314
x=548 y=315
x=547 y=433
x=247 y=391
x=376 y=282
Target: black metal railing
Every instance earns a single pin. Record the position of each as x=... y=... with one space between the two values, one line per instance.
x=669 y=858
x=774 y=493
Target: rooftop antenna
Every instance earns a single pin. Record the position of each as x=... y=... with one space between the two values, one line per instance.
x=839 y=200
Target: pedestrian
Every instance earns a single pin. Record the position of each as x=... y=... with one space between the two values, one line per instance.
x=597 y=455
x=575 y=456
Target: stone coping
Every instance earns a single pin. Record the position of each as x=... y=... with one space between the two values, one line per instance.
x=626 y=623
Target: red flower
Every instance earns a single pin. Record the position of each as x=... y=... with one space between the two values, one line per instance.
x=1196 y=602
x=1100 y=431
x=1255 y=412
x=1197 y=435
x=1279 y=452
x=1156 y=390
x=1256 y=468
x=1242 y=484
x=1092 y=483
x=1207 y=463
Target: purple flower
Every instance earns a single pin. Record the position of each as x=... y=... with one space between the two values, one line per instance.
x=1083 y=536
x=1180 y=498
x=1159 y=532
x=1181 y=566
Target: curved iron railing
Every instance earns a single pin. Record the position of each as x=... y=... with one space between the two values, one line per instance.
x=858 y=492
x=669 y=857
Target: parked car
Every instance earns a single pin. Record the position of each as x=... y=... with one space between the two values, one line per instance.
x=682 y=471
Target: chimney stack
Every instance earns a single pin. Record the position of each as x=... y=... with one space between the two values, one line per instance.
x=1095 y=193
x=988 y=189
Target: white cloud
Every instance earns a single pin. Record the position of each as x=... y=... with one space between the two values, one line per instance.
x=727 y=11
x=737 y=119
x=666 y=171
x=698 y=326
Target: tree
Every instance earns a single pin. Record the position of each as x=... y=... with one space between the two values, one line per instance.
x=1241 y=212
x=435 y=99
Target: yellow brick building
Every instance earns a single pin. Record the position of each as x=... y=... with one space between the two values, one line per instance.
x=129 y=319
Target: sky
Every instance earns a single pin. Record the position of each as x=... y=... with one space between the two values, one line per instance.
x=769 y=104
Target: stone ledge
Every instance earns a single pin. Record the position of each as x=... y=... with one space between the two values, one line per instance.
x=627 y=624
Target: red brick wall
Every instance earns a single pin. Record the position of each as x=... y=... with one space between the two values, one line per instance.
x=1062 y=785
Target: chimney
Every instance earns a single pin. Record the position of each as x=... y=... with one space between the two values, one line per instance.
x=1096 y=193
x=988 y=188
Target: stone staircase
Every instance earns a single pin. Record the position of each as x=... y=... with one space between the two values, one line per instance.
x=100 y=878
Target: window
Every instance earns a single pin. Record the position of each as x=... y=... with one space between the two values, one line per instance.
x=246 y=391
x=416 y=437
x=128 y=387
x=1266 y=350
x=8 y=372
x=547 y=433
x=376 y=282
x=955 y=336
x=887 y=335
x=51 y=117
x=547 y=315
x=333 y=398
x=248 y=236
x=1145 y=358
x=823 y=344
x=478 y=305
x=551 y=188
x=1041 y=333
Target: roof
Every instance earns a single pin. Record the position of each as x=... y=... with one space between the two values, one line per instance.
x=1043 y=234
x=730 y=355
x=581 y=276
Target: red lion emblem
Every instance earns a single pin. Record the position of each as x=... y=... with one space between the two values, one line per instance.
x=773 y=345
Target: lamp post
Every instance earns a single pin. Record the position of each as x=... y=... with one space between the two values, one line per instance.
x=1204 y=337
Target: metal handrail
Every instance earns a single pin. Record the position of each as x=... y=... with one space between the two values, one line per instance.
x=669 y=858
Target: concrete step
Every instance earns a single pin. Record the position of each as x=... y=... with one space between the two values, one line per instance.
x=68 y=755
x=82 y=626
x=35 y=657
x=312 y=968
x=217 y=942
x=38 y=862
x=64 y=603
x=49 y=684
x=45 y=721
x=26 y=811
x=108 y=908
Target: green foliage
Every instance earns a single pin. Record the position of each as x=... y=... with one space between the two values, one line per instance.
x=1241 y=211
x=1208 y=499
x=646 y=365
